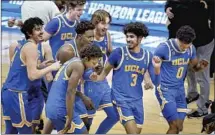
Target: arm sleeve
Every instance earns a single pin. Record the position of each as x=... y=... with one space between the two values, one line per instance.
x=155 y=78
x=52 y=26
x=115 y=57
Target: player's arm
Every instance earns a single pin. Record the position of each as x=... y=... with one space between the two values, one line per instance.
x=48 y=57
x=29 y=53
x=17 y=22
x=12 y=50
x=110 y=48
x=195 y=63
x=154 y=69
x=51 y=28
x=75 y=70
x=113 y=62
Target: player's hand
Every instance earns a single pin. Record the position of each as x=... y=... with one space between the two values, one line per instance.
x=148 y=85
x=203 y=63
x=169 y=13
x=88 y=103
x=156 y=61
x=46 y=63
x=67 y=125
x=55 y=66
x=11 y=22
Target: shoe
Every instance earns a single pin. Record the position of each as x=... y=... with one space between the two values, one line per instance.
x=197 y=114
x=189 y=100
x=208 y=103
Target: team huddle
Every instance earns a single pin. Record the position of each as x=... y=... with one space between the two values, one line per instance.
x=73 y=66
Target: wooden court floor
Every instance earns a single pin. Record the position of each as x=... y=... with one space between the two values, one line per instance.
x=153 y=122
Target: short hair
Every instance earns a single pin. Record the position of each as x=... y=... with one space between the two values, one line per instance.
x=74 y=3
x=186 y=34
x=138 y=28
x=90 y=51
x=99 y=16
x=84 y=26
x=29 y=25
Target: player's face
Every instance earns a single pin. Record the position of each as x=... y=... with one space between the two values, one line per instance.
x=77 y=12
x=87 y=37
x=103 y=26
x=91 y=63
x=132 y=40
x=37 y=33
x=184 y=46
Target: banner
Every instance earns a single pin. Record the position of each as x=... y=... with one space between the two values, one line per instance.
x=151 y=13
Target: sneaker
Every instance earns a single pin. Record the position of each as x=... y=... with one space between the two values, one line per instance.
x=196 y=114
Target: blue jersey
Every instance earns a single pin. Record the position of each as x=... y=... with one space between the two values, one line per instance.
x=104 y=46
x=17 y=78
x=65 y=32
x=175 y=63
x=128 y=75
x=57 y=94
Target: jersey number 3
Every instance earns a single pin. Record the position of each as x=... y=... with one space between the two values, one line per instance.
x=134 y=80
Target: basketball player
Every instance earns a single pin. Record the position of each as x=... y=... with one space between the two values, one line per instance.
x=23 y=70
x=176 y=54
x=35 y=95
x=100 y=92
x=60 y=103
x=129 y=64
x=62 y=27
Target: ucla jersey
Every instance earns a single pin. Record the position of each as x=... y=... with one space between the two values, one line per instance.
x=128 y=76
x=104 y=46
x=64 y=33
x=57 y=94
x=17 y=78
x=174 y=66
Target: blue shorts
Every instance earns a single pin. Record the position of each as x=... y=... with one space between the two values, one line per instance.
x=132 y=110
x=100 y=102
x=80 y=108
x=77 y=125
x=16 y=108
x=36 y=101
x=100 y=94
x=173 y=102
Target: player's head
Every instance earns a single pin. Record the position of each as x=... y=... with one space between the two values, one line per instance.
x=101 y=19
x=65 y=53
x=134 y=32
x=90 y=55
x=85 y=33
x=185 y=36
x=75 y=8
x=33 y=29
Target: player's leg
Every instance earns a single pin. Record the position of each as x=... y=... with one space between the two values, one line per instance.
x=166 y=99
x=77 y=126
x=91 y=114
x=9 y=129
x=111 y=112
x=127 y=118
x=48 y=127
x=181 y=107
x=138 y=112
